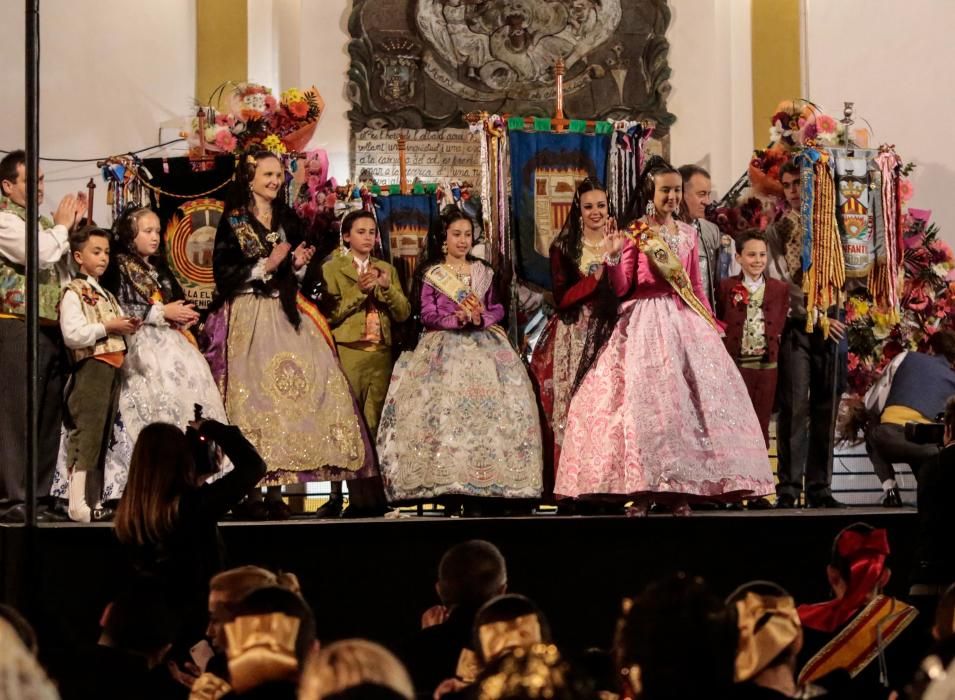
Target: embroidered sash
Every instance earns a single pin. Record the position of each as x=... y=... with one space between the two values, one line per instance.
x=879 y=623
x=442 y=278
x=668 y=266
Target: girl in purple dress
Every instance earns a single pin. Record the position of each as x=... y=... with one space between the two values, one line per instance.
x=460 y=418
x=663 y=413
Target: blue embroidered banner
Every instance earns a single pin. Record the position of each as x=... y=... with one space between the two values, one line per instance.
x=546 y=168
x=403 y=221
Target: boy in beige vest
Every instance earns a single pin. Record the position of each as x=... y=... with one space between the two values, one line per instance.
x=93 y=327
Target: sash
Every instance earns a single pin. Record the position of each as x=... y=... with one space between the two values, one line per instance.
x=442 y=278
x=668 y=266
x=877 y=626
x=311 y=312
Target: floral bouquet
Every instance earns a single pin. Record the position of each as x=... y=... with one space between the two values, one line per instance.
x=256 y=117
x=928 y=305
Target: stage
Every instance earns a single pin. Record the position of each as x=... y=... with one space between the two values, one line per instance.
x=374 y=578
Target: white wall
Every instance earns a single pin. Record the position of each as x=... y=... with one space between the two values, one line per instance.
x=110 y=72
x=712 y=96
x=893 y=59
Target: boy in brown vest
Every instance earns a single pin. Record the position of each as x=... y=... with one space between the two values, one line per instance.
x=93 y=327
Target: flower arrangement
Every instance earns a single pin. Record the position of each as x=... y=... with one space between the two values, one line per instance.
x=256 y=117
x=316 y=194
x=928 y=305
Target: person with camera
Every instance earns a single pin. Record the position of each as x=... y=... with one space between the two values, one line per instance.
x=168 y=518
x=936 y=484
x=912 y=389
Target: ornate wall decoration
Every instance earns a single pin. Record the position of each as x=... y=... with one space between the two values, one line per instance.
x=424 y=63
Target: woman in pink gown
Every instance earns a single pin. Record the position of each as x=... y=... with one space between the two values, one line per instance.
x=663 y=414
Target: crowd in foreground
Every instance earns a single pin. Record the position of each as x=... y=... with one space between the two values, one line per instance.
x=677 y=639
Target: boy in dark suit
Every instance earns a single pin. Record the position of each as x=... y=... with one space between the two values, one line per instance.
x=754 y=308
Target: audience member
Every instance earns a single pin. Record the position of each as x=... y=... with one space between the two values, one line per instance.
x=21 y=676
x=469 y=575
x=675 y=641
x=936 y=484
x=913 y=388
x=770 y=638
x=137 y=629
x=168 y=521
x=21 y=626
x=843 y=633
x=531 y=673
x=355 y=669
x=944 y=627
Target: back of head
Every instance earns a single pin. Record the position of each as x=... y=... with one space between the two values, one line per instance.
x=679 y=640
x=943 y=344
x=770 y=633
x=279 y=599
x=471 y=573
x=21 y=676
x=507 y=622
x=235 y=584
x=140 y=620
x=21 y=626
x=945 y=615
x=355 y=668
x=849 y=545
x=160 y=472
x=532 y=673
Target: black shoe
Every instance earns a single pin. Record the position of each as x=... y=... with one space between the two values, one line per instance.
x=331 y=509
x=785 y=500
x=17 y=515
x=277 y=509
x=102 y=514
x=758 y=504
x=892 y=498
x=251 y=510
x=354 y=512
x=826 y=501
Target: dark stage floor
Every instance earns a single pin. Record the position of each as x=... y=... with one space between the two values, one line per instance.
x=374 y=578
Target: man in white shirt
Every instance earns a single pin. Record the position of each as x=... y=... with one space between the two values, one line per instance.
x=53 y=239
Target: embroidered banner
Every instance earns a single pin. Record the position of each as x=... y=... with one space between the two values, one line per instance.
x=854 y=210
x=545 y=171
x=190 y=240
x=403 y=221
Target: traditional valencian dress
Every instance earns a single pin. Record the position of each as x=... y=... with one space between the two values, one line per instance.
x=663 y=410
x=164 y=375
x=283 y=385
x=460 y=418
x=557 y=356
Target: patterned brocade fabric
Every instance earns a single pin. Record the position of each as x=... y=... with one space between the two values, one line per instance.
x=753 y=343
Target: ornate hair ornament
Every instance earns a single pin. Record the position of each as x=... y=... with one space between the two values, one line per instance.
x=261 y=648
x=251 y=160
x=496 y=637
x=767 y=625
x=532 y=672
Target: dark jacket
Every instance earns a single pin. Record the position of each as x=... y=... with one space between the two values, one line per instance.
x=775 y=310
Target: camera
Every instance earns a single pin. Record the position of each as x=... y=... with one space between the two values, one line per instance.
x=925 y=433
x=203 y=450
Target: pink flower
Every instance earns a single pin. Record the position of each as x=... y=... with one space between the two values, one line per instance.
x=225 y=141
x=921 y=215
x=314 y=183
x=906 y=190
x=270 y=103
x=826 y=124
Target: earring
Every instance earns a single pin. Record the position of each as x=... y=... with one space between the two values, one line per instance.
x=444 y=248
x=580 y=222
x=651 y=210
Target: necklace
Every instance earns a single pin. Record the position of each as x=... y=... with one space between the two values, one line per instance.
x=592 y=246
x=459 y=268
x=672 y=239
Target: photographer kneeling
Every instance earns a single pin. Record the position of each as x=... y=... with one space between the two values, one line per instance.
x=912 y=389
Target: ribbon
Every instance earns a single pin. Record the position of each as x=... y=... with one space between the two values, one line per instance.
x=767 y=625
x=866 y=553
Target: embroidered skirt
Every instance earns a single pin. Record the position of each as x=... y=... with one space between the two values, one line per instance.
x=460 y=419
